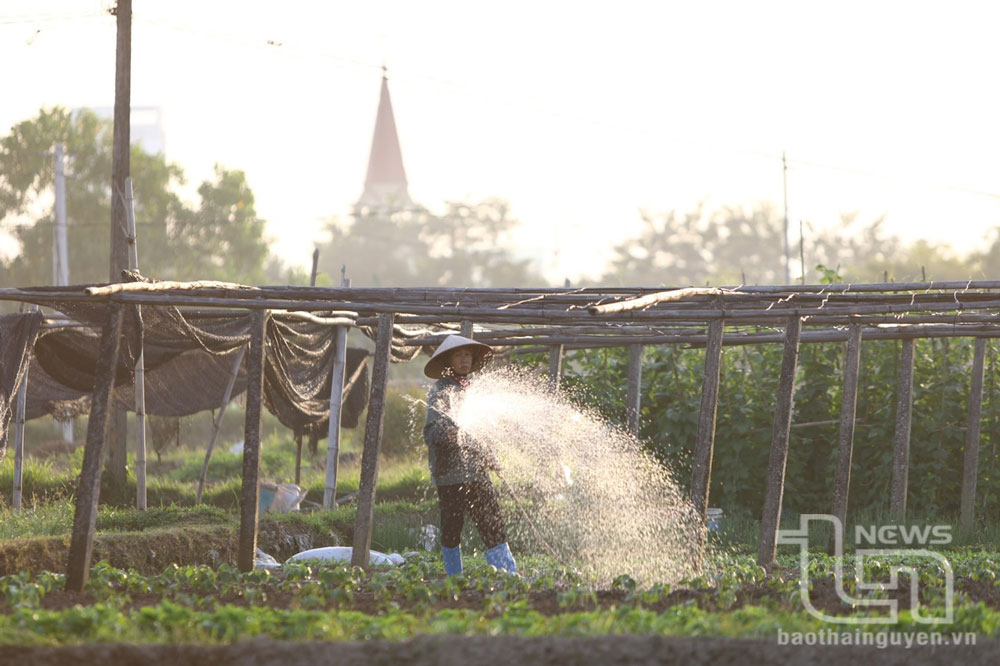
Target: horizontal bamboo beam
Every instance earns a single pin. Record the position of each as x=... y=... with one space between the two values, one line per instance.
x=514 y=297
x=168 y=285
x=343 y=318
x=650 y=300
x=698 y=339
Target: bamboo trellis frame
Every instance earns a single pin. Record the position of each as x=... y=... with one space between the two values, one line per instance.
x=564 y=319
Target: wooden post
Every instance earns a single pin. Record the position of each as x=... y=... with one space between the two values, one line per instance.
x=298 y=437
x=701 y=476
x=970 y=468
x=633 y=396
x=360 y=555
x=336 y=408
x=217 y=425
x=85 y=515
x=22 y=398
x=120 y=168
x=250 y=494
x=771 y=518
x=298 y=457
x=555 y=366
x=466 y=330
x=901 y=439
x=848 y=409
x=315 y=268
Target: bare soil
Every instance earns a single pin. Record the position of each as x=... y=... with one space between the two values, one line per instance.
x=499 y=650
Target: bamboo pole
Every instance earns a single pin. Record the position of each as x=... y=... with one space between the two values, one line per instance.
x=659 y=294
x=165 y=285
x=140 y=364
x=848 y=409
x=217 y=424
x=546 y=313
x=901 y=438
x=695 y=340
x=22 y=397
x=970 y=467
x=85 y=514
x=771 y=518
x=704 y=444
x=298 y=436
x=360 y=555
x=633 y=396
x=633 y=299
x=336 y=409
x=250 y=493
x=655 y=299
x=555 y=366
x=572 y=326
x=623 y=333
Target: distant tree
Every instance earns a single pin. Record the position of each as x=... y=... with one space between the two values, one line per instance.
x=464 y=246
x=988 y=260
x=468 y=246
x=732 y=246
x=379 y=250
x=697 y=249
x=222 y=239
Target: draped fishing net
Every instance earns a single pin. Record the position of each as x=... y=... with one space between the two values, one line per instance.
x=189 y=359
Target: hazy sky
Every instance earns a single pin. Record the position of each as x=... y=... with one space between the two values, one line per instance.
x=578 y=114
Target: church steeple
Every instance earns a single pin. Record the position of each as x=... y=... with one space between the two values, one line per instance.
x=385 y=185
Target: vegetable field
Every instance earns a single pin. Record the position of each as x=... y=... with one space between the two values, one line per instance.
x=734 y=599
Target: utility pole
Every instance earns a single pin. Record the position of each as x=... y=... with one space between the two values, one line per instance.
x=117 y=451
x=60 y=262
x=60 y=253
x=784 y=236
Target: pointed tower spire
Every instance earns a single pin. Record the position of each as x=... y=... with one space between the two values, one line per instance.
x=385 y=184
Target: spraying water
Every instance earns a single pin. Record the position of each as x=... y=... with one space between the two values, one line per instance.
x=598 y=500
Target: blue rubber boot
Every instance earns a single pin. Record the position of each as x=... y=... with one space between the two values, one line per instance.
x=452 y=560
x=501 y=557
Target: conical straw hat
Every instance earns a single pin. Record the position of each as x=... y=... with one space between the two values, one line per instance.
x=481 y=355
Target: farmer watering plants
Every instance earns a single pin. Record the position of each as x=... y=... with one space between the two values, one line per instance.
x=459 y=465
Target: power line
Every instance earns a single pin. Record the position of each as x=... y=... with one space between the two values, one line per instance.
x=311 y=53
x=540 y=105
x=871 y=173
x=23 y=19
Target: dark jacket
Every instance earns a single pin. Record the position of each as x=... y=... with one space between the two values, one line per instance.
x=452 y=456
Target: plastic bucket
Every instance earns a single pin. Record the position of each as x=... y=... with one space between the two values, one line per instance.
x=714 y=518
x=268 y=491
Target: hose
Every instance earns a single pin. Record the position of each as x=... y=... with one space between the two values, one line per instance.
x=531 y=524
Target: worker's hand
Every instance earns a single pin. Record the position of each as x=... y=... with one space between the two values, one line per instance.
x=448 y=430
x=488 y=457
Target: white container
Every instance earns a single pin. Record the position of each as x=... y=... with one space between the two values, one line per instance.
x=713 y=518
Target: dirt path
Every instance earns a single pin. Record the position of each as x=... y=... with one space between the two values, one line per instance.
x=501 y=650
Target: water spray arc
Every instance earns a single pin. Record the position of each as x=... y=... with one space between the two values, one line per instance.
x=531 y=523
x=585 y=492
